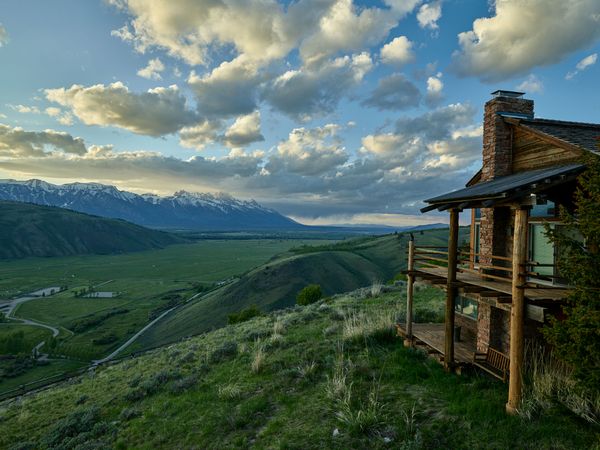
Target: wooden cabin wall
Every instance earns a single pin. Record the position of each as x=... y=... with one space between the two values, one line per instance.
x=530 y=152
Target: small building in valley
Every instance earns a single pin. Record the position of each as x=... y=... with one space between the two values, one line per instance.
x=503 y=287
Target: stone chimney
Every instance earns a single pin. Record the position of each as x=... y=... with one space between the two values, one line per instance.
x=497 y=135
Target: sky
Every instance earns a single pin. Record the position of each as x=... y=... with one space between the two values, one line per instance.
x=330 y=111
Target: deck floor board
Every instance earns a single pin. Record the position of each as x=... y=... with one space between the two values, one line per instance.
x=432 y=334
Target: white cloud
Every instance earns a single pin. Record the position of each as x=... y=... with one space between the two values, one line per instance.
x=344 y=27
x=228 y=90
x=244 y=131
x=152 y=70
x=64 y=118
x=435 y=85
x=186 y=29
x=157 y=112
x=200 y=135
x=259 y=30
x=395 y=92
x=526 y=34
x=23 y=109
x=310 y=92
x=429 y=14
x=16 y=143
x=531 y=84
x=309 y=152
x=3 y=36
x=398 y=52
x=586 y=62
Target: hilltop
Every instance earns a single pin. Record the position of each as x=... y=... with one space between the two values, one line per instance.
x=32 y=230
x=329 y=375
x=182 y=210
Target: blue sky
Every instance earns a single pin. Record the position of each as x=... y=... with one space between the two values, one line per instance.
x=331 y=111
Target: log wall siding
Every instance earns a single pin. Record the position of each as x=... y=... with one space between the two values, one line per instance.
x=530 y=152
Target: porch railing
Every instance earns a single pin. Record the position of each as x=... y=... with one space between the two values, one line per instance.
x=491 y=267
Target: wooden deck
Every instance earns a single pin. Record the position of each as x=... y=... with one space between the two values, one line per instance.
x=432 y=335
x=505 y=287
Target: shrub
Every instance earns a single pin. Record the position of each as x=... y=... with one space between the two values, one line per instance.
x=225 y=351
x=309 y=294
x=184 y=384
x=231 y=391
x=244 y=315
x=130 y=413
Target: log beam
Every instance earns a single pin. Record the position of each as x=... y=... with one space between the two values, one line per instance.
x=451 y=290
x=517 y=311
x=408 y=341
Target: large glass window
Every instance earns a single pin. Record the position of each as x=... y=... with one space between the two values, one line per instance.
x=466 y=306
x=541 y=250
x=546 y=210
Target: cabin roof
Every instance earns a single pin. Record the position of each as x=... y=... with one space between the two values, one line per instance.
x=583 y=135
x=517 y=185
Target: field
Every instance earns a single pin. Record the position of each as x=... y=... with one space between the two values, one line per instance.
x=328 y=375
x=146 y=282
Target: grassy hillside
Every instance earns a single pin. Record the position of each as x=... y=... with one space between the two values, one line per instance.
x=34 y=230
x=146 y=282
x=330 y=375
x=337 y=267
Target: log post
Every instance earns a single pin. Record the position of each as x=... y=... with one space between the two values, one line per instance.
x=408 y=341
x=451 y=290
x=517 y=311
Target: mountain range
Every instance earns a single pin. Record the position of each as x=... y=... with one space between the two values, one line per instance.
x=182 y=210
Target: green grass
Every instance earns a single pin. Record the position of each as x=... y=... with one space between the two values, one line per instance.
x=54 y=367
x=143 y=280
x=202 y=393
x=174 y=266
x=336 y=267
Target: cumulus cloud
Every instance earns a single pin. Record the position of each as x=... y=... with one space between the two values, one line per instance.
x=531 y=84
x=157 y=112
x=244 y=131
x=308 y=152
x=525 y=34
x=429 y=14
x=395 y=92
x=435 y=86
x=187 y=28
x=258 y=30
x=310 y=92
x=397 y=52
x=152 y=70
x=16 y=142
x=586 y=62
x=228 y=90
x=343 y=27
x=3 y=36
x=200 y=135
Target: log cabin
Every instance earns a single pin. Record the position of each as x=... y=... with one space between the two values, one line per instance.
x=503 y=286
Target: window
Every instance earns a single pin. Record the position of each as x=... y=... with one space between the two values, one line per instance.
x=476 y=244
x=546 y=210
x=466 y=306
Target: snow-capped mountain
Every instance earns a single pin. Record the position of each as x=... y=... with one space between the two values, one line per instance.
x=182 y=210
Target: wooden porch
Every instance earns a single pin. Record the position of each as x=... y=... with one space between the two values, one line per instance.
x=432 y=336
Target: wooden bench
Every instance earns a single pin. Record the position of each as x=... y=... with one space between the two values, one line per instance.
x=493 y=362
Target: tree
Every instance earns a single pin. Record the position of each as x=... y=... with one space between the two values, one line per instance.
x=576 y=338
x=310 y=294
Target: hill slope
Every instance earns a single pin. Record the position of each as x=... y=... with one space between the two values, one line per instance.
x=337 y=268
x=315 y=380
x=182 y=210
x=34 y=230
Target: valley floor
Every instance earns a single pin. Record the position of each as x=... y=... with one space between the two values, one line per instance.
x=329 y=375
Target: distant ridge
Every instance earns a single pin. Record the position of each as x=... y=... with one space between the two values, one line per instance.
x=35 y=230
x=182 y=210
